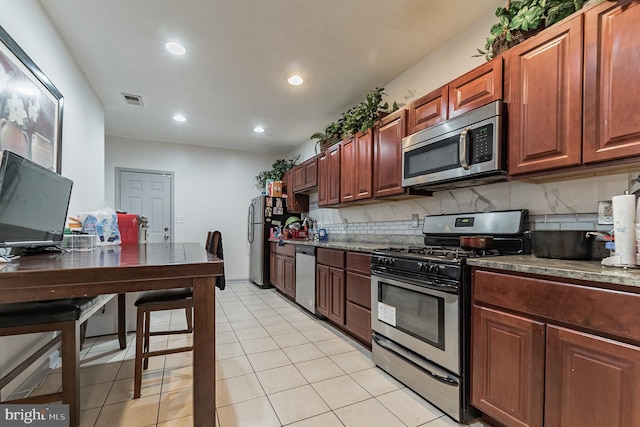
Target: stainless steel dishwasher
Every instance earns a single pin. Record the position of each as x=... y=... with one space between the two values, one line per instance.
x=306 y=277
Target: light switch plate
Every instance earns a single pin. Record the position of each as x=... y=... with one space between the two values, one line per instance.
x=179 y=219
x=605 y=212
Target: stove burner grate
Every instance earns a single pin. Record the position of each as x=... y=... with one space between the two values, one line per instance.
x=450 y=252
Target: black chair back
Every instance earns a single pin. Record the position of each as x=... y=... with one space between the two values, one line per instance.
x=215 y=247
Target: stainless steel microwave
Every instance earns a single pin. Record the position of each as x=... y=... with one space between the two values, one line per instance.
x=463 y=151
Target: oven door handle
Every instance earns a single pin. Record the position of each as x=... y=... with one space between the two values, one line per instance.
x=449 y=288
x=435 y=373
x=464 y=148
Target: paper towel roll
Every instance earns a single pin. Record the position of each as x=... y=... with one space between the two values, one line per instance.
x=624 y=228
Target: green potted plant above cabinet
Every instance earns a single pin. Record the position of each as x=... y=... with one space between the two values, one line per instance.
x=276 y=173
x=520 y=20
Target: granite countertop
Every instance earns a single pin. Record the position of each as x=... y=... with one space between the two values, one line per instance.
x=592 y=271
x=343 y=245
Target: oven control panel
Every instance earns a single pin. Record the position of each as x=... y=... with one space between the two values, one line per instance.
x=416 y=266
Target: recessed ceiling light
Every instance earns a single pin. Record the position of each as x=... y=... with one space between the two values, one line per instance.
x=295 y=80
x=179 y=118
x=258 y=129
x=175 y=48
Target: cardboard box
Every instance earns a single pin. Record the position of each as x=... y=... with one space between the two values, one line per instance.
x=276 y=189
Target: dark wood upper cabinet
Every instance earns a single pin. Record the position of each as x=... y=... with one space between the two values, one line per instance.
x=323 y=178
x=329 y=176
x=476 y=88
x=348 y=170
x=311 y=172
x=545 y=99
x=612 y=82
x=305 y=175
x=429 y=109
x=333 y=175
x=296 y=203
x=298 y=177
x=387 y=154
x=356 y=167
x=364 y=165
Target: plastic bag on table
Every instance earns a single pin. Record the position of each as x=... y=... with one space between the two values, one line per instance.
x=104 y=224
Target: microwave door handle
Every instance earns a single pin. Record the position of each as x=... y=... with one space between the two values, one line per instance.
x=464 y=160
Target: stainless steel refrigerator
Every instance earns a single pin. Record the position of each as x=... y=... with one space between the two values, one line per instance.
x=264 y=214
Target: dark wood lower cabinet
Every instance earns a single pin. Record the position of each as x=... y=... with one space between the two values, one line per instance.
x=590 y=381
x=272 y=262
x=322 y=289
x=330 y=293
x=283 y=268
x=289 y=282
x=529 y=371
x=358 y=303
x=336 y=296
x=508 y=367
x=358 y=322
x=279 y=272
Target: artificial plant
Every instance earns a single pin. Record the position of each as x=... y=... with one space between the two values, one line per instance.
x=277 y=171
x=527 y=16
x=356 y=119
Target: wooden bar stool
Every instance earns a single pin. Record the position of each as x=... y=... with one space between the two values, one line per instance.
x=171 y=299
x=65 y=315
x=148 y=302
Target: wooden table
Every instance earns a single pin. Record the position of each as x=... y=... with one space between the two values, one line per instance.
x=131 y=268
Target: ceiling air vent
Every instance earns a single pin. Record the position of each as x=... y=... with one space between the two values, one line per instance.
x=132 y=99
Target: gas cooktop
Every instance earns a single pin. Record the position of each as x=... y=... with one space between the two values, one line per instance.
x=446 y=252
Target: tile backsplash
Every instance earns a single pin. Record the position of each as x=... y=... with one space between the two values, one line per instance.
x=561 y=205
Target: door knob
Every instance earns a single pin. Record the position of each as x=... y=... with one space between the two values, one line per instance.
x=166 y=237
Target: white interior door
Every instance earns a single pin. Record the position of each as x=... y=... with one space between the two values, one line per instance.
x=149 y=194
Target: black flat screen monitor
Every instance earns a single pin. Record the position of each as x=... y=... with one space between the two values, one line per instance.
x=33 y=203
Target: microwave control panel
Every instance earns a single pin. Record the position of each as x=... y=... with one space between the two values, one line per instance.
x=482 y=138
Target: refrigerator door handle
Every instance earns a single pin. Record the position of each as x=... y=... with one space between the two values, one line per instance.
x=250 y=236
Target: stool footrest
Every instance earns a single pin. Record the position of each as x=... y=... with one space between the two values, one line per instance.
x=167 y=351
x=180 y=332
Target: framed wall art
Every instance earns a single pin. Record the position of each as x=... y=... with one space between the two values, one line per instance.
x=30 y=108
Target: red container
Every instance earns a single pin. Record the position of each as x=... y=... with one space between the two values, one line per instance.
x=128 y=226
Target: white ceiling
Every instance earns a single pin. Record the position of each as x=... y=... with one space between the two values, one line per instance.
x=239 y=56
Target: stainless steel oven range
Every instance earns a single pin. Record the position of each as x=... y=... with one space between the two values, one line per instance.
x=420 y=304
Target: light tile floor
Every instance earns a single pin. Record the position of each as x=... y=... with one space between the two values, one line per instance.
x=276 y=365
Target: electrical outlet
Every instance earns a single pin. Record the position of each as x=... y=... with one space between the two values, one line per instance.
x=415 y=221
x=605 y=212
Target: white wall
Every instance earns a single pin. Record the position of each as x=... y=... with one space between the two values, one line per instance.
x=451 y=60
x=213 y=188
x=82 y=129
